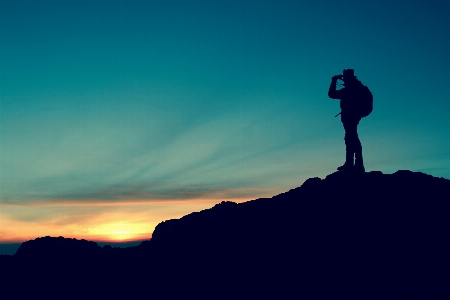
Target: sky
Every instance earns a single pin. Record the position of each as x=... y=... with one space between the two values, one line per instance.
x=117 y=115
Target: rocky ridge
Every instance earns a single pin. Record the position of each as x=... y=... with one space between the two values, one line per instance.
x=351 y=236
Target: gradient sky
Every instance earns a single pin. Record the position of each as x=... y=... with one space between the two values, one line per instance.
x=116 y=115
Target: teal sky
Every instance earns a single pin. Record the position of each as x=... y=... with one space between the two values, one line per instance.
x=184 y=100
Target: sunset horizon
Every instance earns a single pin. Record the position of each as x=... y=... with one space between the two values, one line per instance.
x=111 y=227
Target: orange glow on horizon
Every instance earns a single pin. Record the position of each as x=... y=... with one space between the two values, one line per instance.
x=94 y=221
x=120 y=232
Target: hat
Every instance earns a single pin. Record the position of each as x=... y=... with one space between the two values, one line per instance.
x=349 y=73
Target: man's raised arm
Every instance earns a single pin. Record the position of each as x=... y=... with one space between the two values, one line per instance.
x=332 y=92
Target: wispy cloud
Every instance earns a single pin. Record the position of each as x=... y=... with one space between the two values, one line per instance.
x=232 y=156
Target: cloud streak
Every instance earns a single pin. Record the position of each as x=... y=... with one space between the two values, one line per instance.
x=225 y=156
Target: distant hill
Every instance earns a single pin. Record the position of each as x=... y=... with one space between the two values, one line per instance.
x=348 y=236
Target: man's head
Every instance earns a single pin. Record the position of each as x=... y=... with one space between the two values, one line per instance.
x=349 y=75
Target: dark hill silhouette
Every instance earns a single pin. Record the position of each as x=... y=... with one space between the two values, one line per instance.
x=348 y=236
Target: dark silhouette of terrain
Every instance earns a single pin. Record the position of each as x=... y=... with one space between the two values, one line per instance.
x=348 y=236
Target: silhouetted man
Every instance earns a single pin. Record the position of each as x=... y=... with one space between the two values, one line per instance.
x=351 y=97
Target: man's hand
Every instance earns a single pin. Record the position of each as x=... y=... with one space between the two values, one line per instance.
x=336 y=77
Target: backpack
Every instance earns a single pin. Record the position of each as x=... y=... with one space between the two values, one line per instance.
x=366 y=101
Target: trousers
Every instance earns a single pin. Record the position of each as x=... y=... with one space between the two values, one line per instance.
x=353 y=146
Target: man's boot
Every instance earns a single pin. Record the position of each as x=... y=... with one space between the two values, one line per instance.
x=348 y=165
x=359 y=164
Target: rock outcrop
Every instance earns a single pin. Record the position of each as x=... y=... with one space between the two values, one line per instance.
x=367 y=236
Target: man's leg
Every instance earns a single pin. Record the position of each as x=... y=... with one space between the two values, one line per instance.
x=352 y=146
x=359 y=164
x=349 y=146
